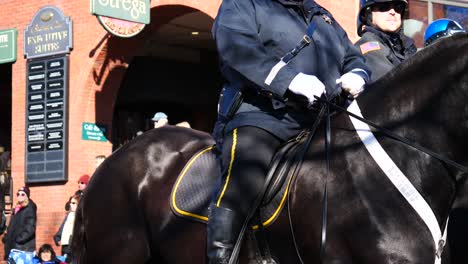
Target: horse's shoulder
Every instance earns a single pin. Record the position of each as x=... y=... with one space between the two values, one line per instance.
x=175 y=137
x=183 y=132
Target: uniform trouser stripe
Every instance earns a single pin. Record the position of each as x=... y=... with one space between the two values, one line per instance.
x=231 y=162
x=274 y=71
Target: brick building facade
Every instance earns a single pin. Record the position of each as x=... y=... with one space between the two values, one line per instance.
x=98 y=66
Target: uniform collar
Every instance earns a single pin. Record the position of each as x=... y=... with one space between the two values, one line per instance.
x=291 y=2
x=393 y=39
x=310 y=7
x=307 y=4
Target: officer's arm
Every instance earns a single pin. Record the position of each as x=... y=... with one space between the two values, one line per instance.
x=378 y=62
x=353 y=59
x=240 y=48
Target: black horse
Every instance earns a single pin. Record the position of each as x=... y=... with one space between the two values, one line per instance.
x=125 y=215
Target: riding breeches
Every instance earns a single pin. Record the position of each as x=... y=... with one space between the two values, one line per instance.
x=246 y=155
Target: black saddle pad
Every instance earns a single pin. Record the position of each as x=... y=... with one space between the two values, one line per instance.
x=192 y=192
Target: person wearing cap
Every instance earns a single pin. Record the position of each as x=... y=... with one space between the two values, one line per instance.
x=82 y=184
x=382 y=42
x=441 y=28
x=21 y=233
x=160 y=119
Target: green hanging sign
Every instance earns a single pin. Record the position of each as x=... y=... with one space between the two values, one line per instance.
x=130 y=10
x=91 y=131
x=8 y=45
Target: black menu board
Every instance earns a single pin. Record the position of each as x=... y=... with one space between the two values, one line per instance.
x=46 y=119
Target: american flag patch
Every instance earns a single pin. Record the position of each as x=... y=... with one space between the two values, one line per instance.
x=369 y=46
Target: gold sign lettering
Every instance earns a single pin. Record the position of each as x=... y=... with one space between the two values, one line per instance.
x=47 y=41
x=48 y=47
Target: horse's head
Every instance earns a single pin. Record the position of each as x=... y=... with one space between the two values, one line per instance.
x=425 y=99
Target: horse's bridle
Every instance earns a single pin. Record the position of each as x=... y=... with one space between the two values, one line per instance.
x=324 y=111
x=325 y=108
x=399 y=138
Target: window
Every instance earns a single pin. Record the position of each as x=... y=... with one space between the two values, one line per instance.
x=423 y=12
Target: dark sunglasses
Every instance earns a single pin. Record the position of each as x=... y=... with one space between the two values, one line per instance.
x=20 y=194
x=384 y=7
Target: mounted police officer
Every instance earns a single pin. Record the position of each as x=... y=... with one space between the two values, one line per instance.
x=441 y=28
x=275 y=56
x=382 y=42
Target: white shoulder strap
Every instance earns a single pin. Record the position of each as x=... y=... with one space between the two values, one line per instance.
x=398 y=179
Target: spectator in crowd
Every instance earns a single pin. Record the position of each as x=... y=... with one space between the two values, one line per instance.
x=3 y=221
x=160 y=119
x=21 y=233
x=82 y=183
x=47 y=254
x=4 y=159
x=382 y=42
x=65 y=232
x=100 y=159
x=184 y=124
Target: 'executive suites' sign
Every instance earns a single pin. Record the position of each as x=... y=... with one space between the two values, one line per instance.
x=50 y=33
x=46 y=119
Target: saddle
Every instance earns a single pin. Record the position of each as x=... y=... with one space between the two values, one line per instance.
x=192 y=193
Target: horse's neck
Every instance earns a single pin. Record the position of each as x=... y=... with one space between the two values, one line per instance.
x=425 y=103
x=430 y=110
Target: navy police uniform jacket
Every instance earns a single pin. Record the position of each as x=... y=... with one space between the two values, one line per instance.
x=384 y=51
x=253 y=35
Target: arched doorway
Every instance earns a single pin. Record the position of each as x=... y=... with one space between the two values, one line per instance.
x=175 y=72
x=5 y=106
x=5 y=132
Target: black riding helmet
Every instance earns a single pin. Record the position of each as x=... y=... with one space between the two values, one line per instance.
x=365 y=14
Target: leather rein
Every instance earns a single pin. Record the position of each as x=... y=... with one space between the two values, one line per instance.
x=325 y=108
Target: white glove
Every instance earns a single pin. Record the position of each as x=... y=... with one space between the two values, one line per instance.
x=352 y=83
x=307 y=85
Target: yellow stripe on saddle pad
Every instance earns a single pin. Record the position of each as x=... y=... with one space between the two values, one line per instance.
x=192 y=192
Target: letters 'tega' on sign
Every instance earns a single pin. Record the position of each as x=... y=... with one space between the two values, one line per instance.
x=130 y=10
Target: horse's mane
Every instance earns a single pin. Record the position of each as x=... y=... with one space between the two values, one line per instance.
x=434 y=60
x=431 y=58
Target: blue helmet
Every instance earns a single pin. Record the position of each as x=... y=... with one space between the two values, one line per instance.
x=441 y=28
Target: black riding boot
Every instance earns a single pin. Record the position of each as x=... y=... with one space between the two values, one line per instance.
x=223 y=229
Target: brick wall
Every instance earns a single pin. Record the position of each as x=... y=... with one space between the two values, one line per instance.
x=345 y=11
x=97 y=66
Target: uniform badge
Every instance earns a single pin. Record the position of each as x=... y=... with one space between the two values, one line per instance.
x=327 y=19
x=369 y=46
